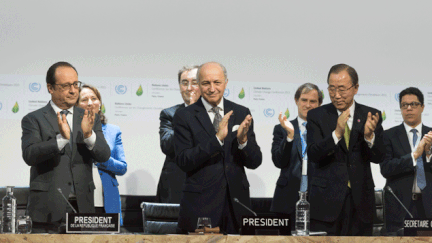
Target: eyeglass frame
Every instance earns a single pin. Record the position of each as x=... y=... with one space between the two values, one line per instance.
x=413 y=105
x=337 y=89
x=186 y=83
x=69 y=85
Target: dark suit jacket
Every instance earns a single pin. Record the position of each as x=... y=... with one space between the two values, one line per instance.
x=172 y=178
x=211 y=168
x=399 y=171
x=336 y=164
x=52 y=169
x=287 y=156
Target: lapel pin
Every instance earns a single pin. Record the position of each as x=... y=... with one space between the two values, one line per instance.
x=358 y=120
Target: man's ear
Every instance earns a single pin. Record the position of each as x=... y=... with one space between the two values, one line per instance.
x=50 y=88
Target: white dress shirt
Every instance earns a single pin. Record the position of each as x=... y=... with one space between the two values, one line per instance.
x=62 y=141
x=350 y=124
x=212 y=115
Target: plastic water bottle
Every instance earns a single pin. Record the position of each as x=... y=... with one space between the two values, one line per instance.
x=302 y=223
x=9 y=212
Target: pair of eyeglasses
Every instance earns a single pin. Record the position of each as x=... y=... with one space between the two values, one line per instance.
x=405 y=106
x=341 y=90
x=186 y=83
x=76 y=85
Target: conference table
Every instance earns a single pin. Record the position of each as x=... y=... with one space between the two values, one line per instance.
x=139 y=238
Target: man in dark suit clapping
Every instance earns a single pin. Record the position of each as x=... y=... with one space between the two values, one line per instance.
x=289 y=152
x=214 y=142
x=172 y=178
x=60 y=142
x=406 y=165
x=343 y=138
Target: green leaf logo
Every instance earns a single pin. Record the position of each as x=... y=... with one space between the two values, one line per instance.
x=242 y=94
x=383 y=115
x=287 y=113
x=103 y=108
x=15 y=108
x=139 y=91
x=322 y=92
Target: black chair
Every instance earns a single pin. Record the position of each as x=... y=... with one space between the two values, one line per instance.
x=160 y=218
x=378 y=221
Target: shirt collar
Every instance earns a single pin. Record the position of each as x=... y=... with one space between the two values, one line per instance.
x=418 y=127
x=57 y=109
x=208 y=107
x=300 y=121
x=352 y=108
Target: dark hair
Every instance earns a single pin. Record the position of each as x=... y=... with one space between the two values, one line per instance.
x=103 y=118
x=50 y=77
x=411 y=91
x=344 y=67
x=306 y=88
x=184 y=69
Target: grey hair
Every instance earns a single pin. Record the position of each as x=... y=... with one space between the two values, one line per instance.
x=220 y=65
x=306 y=88
x=186 y=68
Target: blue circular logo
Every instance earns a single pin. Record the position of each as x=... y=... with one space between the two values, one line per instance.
x=121 y=89
x=397 y=97
x=269 y=112
x=34 y=87
x=1 y=105
x=226 y=93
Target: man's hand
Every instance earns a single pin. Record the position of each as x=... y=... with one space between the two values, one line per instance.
x=193 y=97
x=87 y=123
x=420 y=148
x=63 y=125
x=370 y=125
x=223 y=126
x=286 y=125
x=243 y=129
x=428 y=143
x=341 y=122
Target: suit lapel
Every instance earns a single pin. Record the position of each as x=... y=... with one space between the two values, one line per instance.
x=228 y=106
x=203 y=117
x=359 y=120
x=51 y=117
x=403 y=139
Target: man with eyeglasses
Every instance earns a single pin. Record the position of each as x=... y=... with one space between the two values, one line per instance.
x=60 y=142
x=172 y=178
x=343 y=138
x=406 y=165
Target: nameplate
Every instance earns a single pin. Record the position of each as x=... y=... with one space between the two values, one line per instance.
x=265 y=225
x=96 y=223
x=418 y=227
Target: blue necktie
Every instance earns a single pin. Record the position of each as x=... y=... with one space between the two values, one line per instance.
x=421 y=178
x=303 y=184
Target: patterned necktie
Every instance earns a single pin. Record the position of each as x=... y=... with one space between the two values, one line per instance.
x=421 y=178
x=218 y=117
x=304 y=178
x=66 y=112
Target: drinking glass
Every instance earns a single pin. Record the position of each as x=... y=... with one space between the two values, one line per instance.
x=204 y=222
x=24 y=225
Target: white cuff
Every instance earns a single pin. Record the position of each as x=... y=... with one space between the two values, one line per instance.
x=371 y=142
x=90 y=141
x=336 y=140
x=241 y=146
x=220 y=142
x=289 y=140
x=61 y=141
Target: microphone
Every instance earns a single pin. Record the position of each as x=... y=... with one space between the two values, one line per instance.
x=70 y=205
x=250 y=210
x=394 y=195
